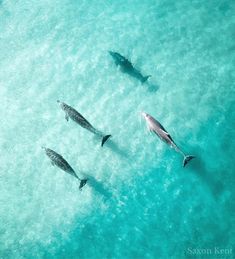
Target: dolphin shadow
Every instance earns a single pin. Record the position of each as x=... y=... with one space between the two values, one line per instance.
x=152 y=87
x=99 y=187
x=127 y=67
x=114 y=147
x=208 y=177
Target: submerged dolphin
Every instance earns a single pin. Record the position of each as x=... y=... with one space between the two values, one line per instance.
x=71 y=113
x=127 y=66
x=60 y=162
x=157 y=128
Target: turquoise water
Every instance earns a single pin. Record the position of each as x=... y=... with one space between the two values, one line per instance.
x=139 y=203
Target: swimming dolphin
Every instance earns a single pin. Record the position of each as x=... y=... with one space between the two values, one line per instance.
x=71 y=113
x=127 y=67
x=60 y=162
x=156 y=127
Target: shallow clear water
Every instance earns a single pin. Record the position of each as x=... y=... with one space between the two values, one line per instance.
x=140 y=202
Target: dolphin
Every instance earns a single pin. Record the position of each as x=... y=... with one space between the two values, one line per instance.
x=60 y=162
x=127 y=67
x=71 y=113
x=156 y=127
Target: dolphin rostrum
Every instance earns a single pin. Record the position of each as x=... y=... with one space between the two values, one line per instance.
x=71 y=113
x=127 y=67
x=156 y=127
x=60 y=162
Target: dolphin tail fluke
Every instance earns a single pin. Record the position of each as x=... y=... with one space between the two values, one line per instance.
x=82 y=183
x=104 y=139
x=145 y=78
x=187 y=159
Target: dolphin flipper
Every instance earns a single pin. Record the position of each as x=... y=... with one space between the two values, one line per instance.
x=67 y=117
x=104 y=139
x=82 y=183
x=145 y=78
x=116 y=62
x=187 y=159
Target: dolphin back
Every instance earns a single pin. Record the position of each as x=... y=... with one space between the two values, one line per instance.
x=60 y=162
x=79 y=119
x=156 y=125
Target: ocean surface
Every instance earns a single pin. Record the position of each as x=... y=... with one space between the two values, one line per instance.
x=139 y=202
